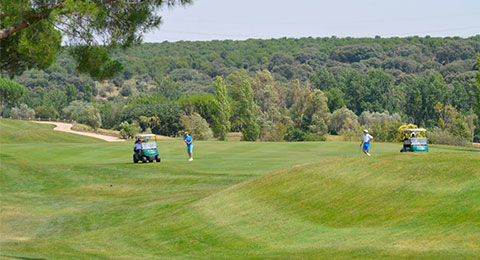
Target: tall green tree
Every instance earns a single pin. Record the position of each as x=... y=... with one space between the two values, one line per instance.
x=9 y=90
x=477 y=94
x=422 y=95
x=316 y=116
x=335 y=99
x=221 y=116
x=31 y=31
x=378 y=86
x=247 y=111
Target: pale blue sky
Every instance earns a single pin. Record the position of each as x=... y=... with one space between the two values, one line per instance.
x=243 y=19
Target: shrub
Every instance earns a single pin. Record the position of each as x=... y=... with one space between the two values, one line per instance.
x=368 y=119
x=197 y=126
x=46 y=112
x=273 y=132
x=342 y=119
x=352 y=134
x=22 y=112
x=128 y=130
x=295 y=135
x=385 y=131
x=83 y=112
x=438 y=136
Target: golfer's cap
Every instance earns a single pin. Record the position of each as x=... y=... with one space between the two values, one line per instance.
x=365 y=131
x=186 y=132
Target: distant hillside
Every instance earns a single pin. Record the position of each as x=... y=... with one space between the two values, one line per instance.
x=193 y=66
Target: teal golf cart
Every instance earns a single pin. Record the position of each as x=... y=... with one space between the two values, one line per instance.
x=149 y=151
x=415 y=140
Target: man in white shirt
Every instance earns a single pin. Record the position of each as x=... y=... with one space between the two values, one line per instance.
x=366 y=142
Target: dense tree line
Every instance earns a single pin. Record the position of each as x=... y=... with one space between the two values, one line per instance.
x=272 y=90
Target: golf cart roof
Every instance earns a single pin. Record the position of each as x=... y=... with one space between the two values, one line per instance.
x=144 y=135
x=415 y=130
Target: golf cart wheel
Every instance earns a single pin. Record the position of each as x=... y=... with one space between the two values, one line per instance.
x=135 y=160
x=144 y=159
x=157 y=158
x=150 y=160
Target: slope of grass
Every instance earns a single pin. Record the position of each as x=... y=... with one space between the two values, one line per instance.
x=391 y=207
x=237 y=200
x=18 y=131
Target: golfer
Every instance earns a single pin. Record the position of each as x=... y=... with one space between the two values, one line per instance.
x=365 y=144
x=138 y=147
x=189 y=141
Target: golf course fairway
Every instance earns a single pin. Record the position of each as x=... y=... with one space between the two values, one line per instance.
x=64 y=196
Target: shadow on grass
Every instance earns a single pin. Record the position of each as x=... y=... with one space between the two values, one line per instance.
x=23 y=257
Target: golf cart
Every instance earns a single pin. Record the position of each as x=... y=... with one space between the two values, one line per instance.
x=149 y=150
x=414 y=140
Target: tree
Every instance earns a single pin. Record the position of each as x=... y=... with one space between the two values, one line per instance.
x=316 y=116
x=56 y=99
x=31 y=31
x=111 y=114
x=422 y=95
x=9 y=90
x=165 y=112
x=248 y=108
x=335 y=99
x=235 y=83
x=88 y=93
x=454 y=50
x=378 y=86
x=71 y=93
x=299 y=97
x=446 y=115
x=323 y=80
x=270 y=96
x=356 y=52
x=477 y=93
x=203 y=105
x=221 y=116
x=168 y=88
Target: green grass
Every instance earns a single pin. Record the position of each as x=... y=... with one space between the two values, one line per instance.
x=72 y=197
x=16 y=131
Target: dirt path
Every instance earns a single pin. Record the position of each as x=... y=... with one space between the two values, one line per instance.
x=67 y=128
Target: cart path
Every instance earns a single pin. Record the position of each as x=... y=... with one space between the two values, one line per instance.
x=67 y=128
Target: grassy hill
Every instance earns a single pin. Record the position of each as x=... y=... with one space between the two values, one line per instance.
x=84 y=199
x=17 y=131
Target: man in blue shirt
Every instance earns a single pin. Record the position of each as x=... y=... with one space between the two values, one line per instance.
x=189 y=141
x=138 y=147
